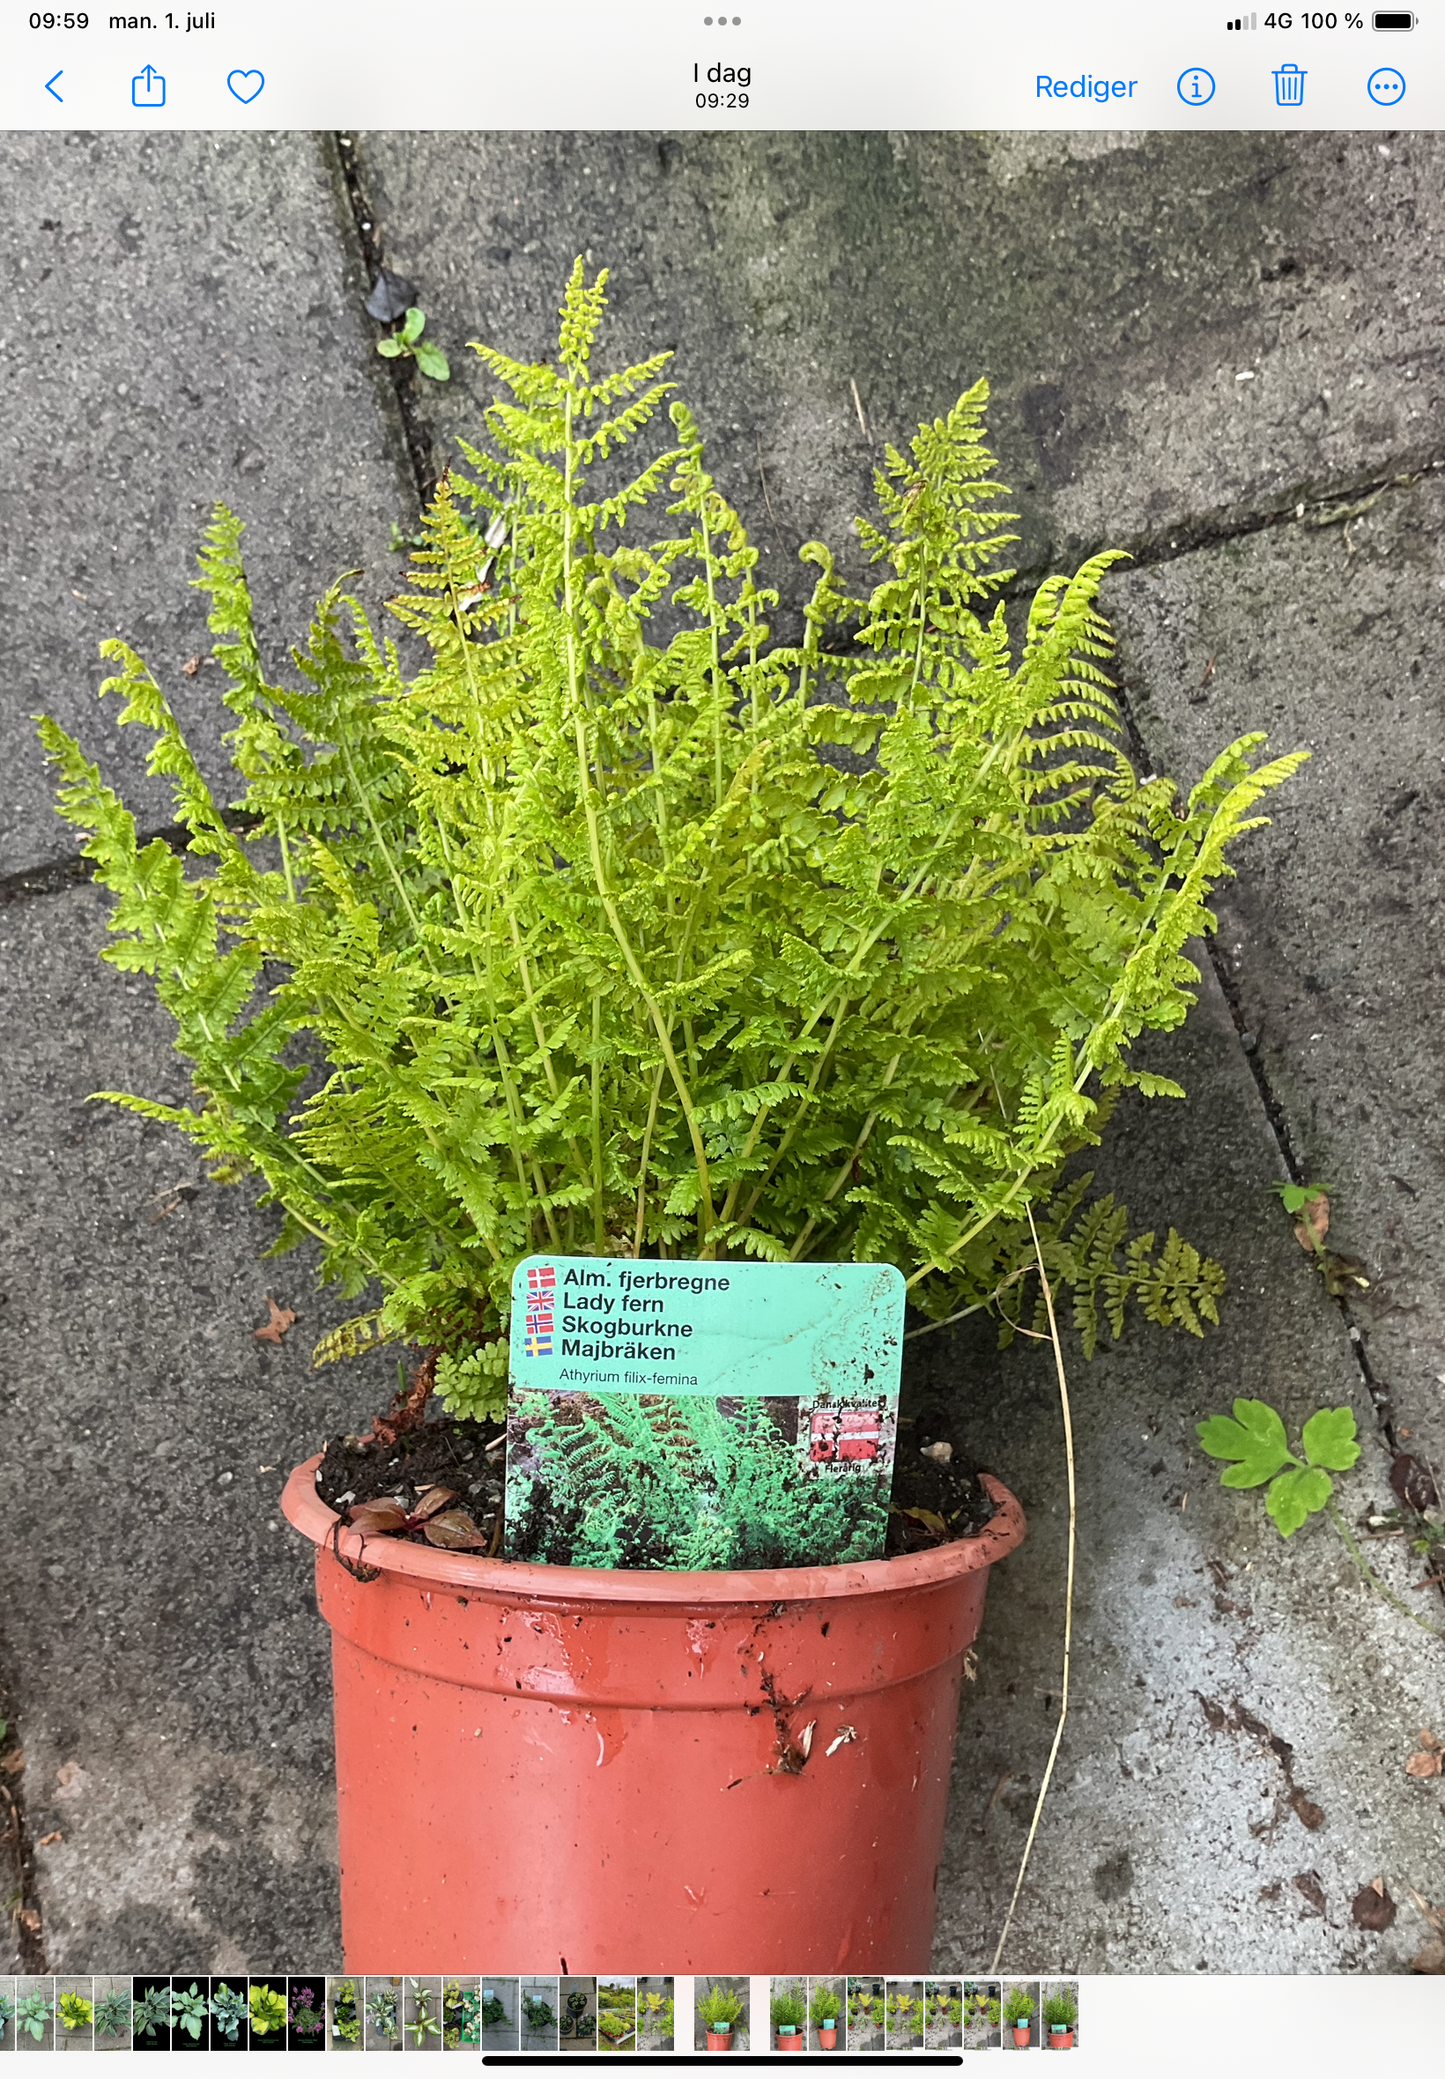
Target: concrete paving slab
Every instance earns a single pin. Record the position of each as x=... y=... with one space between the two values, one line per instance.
x=1334 y=637
x=184 y=326
x=169 y=1674
x=1169 y=1842
x=1180 y=331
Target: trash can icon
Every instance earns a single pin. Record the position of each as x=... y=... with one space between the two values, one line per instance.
x=1289 y=86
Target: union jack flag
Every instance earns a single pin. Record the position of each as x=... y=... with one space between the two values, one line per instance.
x=541 y=1295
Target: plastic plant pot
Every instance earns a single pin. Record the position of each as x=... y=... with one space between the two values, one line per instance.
x=719 y=2039
x=1061 y=2039
x=827 y=2035
x=535 y=1763
x=790 y=2039
x=1021 y=2035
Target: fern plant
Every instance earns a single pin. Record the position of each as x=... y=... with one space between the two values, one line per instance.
x=624 y=926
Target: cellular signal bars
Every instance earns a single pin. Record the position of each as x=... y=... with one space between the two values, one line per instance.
x=1243 y=21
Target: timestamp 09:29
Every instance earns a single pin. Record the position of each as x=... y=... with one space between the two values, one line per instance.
x=723 y=86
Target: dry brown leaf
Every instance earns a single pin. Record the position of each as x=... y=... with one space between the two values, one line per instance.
x=275 y=1329
x=1313 y=1223
x=378 y=1516
x=1429 y=1742
x=1306 y=1810
x=49 y=1840
x=1309 y=1884
x=191 y=666
x=70 y=1780
x=454 y=1531
x=1373 y=1908
x=1431 y=1959
x=1413 y=1482
x=28 y=1917
x=1421 y=1765
x=431 y=1502
x=14 y=1761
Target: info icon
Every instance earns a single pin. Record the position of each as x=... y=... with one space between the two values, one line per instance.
x=1387 y=86
x=1196 y=86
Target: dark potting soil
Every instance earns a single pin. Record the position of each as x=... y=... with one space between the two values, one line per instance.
x=930 y=1475
x=467 y=1457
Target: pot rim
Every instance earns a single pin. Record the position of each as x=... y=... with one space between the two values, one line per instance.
x=515 y=1578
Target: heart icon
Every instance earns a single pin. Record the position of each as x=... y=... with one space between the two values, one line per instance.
x=245 y=85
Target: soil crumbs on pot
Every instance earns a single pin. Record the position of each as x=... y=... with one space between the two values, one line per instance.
x=930 y=1477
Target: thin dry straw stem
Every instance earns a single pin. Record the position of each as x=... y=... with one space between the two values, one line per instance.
x=1068 y=1591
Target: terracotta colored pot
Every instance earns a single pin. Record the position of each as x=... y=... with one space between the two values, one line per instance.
x=720 y=2039
x=790 y=2039
x=1061 y=2039
x=827 y=2039
x=1021 y=2036
x=539 y=1764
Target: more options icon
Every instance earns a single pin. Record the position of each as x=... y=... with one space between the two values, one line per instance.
x=1196 y=86
x=1387 y=86
x=148 y=89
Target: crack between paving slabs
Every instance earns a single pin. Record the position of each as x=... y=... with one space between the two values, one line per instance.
x=21 y=1902
x=1274 y=1112
x=415 y=430
x=1334 y=507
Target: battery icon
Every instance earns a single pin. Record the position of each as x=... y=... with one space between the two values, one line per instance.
x=1396 y=19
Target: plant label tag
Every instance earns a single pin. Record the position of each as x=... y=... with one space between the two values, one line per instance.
x=701 y=1415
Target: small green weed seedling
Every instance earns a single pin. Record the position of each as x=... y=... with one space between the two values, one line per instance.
x=408 y=344
x=228 y=2011
x=1257 y=1445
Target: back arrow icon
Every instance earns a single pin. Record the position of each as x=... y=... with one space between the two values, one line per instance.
x=50 y=85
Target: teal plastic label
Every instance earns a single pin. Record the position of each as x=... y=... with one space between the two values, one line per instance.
x=701 y=1415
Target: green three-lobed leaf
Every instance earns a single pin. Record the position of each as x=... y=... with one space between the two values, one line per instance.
x=1257 y=1444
